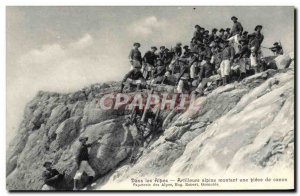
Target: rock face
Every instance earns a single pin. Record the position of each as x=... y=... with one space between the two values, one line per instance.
x=240 y=127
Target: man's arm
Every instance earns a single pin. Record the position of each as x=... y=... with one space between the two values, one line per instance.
x=130 y=54
x=240 y=28
x=262 y=38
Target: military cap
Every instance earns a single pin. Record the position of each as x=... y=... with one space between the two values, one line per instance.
x=214 y=30
x=47 y=163
x=83 y=138
x=233 y=17
x=153 y=47
x=197 y=26
x=206 y=31
x=221 y=30
x=178 y=44
x=162 y=47
x=227 y=29
x=258 y=26
x=137 y=44
x=276 y=44
x=245 y=33
x=251 y=35
x=186 y=47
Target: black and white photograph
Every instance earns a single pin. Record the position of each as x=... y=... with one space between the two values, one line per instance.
x=150 y=98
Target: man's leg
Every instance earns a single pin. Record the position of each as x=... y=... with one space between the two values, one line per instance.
x=202 y=86
x=180 y=86
x=222 y=70
x=253 y=61
x=226 y=71
x=192 y=71
x=242 y=69
x=77 y=176
x=90 y=172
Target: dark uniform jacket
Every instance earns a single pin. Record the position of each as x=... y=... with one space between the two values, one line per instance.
x=50 y=173
x=255 y=43
x=228 y=53
x=244 y=52
x=198 y=36
x=150 y=58
x=83 y=153
x=135 y=54
x=236 y=28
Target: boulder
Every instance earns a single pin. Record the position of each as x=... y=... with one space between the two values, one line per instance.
x=283 y=61
x=68 y=130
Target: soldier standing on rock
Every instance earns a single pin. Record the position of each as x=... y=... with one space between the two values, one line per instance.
x=82 y=160
x=135 y=56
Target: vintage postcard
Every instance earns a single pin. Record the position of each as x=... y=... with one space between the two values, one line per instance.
x=150 y=98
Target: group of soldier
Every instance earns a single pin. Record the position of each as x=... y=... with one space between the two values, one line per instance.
x=225 y=52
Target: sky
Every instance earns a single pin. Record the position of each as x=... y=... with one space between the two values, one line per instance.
x=63 y=49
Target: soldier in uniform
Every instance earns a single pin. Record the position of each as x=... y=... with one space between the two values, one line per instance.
x=178 y=50
x=277 y=49
x=135 y=56
x=206 y=70
x=254 y=48
x=213 y=35
x=162 y=53
x=52 y=178
x=82 y=161
x=258 y=34
x=186 y=51
x=222 y=34
x=245 y=35
x=243 y=55
x=227 y=33
x=135 y=78
x=227 y=59
x=237 y=27
x=198 y=33
x=149 y=62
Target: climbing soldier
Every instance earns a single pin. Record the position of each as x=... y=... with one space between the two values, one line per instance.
x=52 y=178
x=135 y=79
x=82 y=161
x=276 y=49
